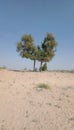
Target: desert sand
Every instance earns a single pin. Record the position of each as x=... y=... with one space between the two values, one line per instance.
x=24 y=106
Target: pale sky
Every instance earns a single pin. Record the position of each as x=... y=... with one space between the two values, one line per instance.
x=37 y=17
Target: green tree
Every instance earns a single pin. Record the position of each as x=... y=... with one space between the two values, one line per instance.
x=43 y=53
x=26 y=48
x=48 y=49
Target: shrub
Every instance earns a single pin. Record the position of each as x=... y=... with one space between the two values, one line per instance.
x=43 y=68
x=43 y=86
x=35 y=69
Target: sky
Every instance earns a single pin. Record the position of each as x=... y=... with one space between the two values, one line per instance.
x=37 y=17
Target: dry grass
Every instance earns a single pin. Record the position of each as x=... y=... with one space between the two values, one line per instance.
x=43 y=86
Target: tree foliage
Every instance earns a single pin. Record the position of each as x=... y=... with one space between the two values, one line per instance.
x=48 y=49
x=43 y=53
x=26 y=48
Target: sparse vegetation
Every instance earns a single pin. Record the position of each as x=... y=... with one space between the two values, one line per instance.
x=43 y=68
x=43 y=86
x=3 y=67
x=63 y=71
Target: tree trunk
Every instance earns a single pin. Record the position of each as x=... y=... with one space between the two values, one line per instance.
x=34 y=65
x=41 y=66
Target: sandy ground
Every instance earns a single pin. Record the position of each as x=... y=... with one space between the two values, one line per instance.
x=23 y=106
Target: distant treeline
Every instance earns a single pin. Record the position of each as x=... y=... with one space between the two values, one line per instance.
x=63 y=71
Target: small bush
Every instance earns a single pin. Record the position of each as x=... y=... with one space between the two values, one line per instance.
x=25 y=69
x=43 y=68
x=35 y=70
x=3 y=67
x=43 y=86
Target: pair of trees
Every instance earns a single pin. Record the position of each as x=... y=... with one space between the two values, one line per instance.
x=43 y=53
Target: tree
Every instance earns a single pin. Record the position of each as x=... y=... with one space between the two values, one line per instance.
x=43 y=53
x=48 y=49
x=26 y=48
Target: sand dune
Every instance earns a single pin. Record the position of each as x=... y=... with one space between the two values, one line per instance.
x=24 y=106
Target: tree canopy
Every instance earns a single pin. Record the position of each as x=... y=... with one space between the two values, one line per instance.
x=48 y=48
x=26 y=48
x=43 y=53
